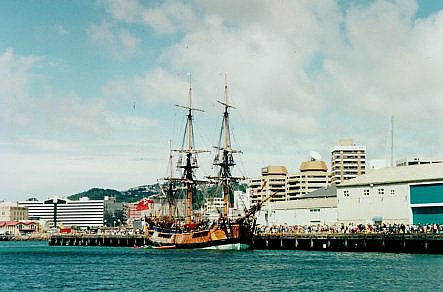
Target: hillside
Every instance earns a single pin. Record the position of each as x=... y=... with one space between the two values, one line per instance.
x=129 y=196
x=137 y=193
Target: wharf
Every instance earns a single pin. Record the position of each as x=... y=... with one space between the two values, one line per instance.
x=5 y=237
x=356 y=242
x=98 y=240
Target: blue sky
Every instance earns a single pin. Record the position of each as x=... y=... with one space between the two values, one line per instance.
x=302 y=75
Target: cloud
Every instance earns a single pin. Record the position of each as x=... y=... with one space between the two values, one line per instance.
x=392 y=64
x=59 y=29
x=298 y=69
x=52 y=112
x=123 y=10
x=155 y=87
x=15 y=77
x=119 y=42
x=167 y=18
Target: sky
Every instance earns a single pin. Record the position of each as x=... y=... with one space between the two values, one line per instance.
x=88 y=90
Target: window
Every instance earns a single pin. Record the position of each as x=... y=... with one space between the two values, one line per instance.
x=381 y=191
x=392 y=192
x=346 y=193
x=314 y=210
x=366 y=192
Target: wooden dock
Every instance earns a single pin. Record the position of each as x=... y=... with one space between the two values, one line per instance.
x=397 y=243
x=98 y=240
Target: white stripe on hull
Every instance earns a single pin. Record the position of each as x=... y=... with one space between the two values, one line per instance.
x=229 y=246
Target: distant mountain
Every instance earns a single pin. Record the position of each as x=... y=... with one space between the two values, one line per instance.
x=129 y=196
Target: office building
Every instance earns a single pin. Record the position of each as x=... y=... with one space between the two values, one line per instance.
x=312 y=176
x=12 y=212
x=63 y=212
x=347 y=161
x=273 y=179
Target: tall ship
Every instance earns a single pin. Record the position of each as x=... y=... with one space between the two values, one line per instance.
x=193 y=231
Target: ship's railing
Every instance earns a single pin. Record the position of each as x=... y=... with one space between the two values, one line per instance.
x=166 y=230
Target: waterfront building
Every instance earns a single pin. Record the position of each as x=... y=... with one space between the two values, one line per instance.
x=317 y=207
x=273 y=179
x=347 y=161
x=213 y=208
x=113 y=212
x=63 y=212
x=12 y=212
x=407 y=194
x=313 y=175
x=131 y=213
x=18 y=228
x=417 y=160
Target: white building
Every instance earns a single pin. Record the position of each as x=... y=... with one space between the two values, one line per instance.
x=408 y=195
x=63 y=212
x=347 y=161
x=317 y=207
x=417 y=160
x=12 y=212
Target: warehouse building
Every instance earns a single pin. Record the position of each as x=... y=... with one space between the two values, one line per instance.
x=407 y=194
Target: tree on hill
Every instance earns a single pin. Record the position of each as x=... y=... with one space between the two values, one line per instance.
x=130 y=196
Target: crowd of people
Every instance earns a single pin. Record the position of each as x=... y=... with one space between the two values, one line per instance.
x=353 y=228
x=176 y=226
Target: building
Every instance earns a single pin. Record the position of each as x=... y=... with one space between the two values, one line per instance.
x=17 y=228
x=417 y=160
x=12 y=212
x=273 y=179
x=317 y=207
x=407 y=194
x=63 y=212
x=113 y=212
x=313 y=175
x=347 y=161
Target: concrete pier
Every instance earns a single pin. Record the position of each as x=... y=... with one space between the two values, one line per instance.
x=397 y=243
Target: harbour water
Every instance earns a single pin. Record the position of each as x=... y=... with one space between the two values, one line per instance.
x=33 y=265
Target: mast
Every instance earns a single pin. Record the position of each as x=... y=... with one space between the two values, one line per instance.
x=224 y=158
x=187 y=148
x=170 y=191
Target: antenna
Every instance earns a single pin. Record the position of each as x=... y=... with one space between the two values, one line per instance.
x=314 y=156
x=392 y=141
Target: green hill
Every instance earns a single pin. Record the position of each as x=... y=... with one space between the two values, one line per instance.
x=136 y=194
x=129 y=196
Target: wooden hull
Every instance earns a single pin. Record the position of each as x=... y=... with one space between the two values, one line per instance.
x=215 y=238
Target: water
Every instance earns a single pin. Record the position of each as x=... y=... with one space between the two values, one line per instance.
x=27 y=266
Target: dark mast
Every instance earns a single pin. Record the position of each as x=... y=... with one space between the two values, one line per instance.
x=187 y=148
x=224 y=158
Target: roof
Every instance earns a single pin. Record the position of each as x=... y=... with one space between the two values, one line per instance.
x=401 y=174
x=14 y=223
x=315 y=165
x=274 y=169
x=329 y=191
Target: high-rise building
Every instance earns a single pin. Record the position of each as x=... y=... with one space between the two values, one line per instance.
x=57 y=212
x=347 y=161
x=313 y=175
x=273 y=179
